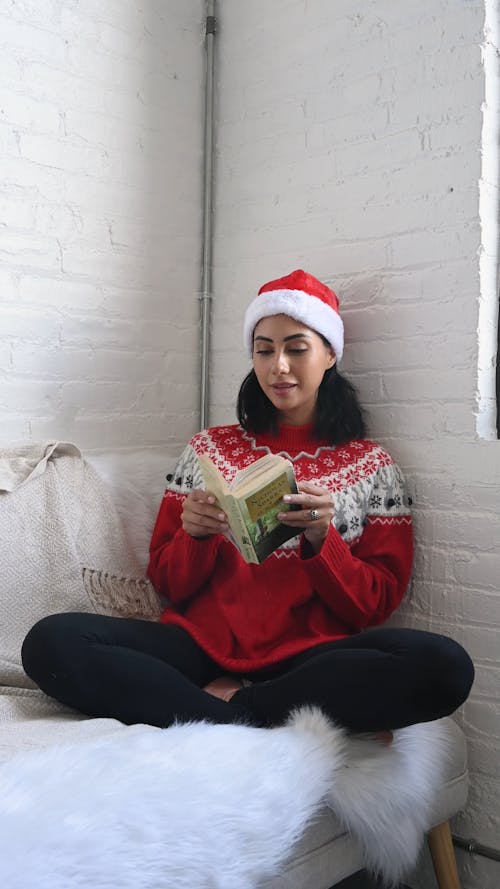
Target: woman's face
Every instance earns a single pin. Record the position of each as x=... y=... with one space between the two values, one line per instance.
x=290 y=360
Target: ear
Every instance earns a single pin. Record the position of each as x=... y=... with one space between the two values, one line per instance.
x=331 y=359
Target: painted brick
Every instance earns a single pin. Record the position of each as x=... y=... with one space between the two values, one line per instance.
x=10 y=70
x=354 y=152
x=364 y=136
x=419 y=351
x=18 y=426
x=61 y=154
x=32 y=180
x=100 y=200
x=395 y=149
x=105 y=397
x=9 y=284
x=27 y=39
x=50 y=362
x=477 y=529
x=27 y=113
x=438 y=282
x=449 y=386
x=171 y=430
x=411 y=249
x=417 y=320
x=60 y=294
x=113 y=266
x=5 y=356
x=16 y=213
x=32 y=251
x=29 y=396
x=478 y=871
x=59 y=87
x=20 y=323
x=43 y=13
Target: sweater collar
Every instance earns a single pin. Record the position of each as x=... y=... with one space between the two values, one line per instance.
x=291 y=441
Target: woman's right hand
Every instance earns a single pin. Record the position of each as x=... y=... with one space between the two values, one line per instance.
x=201 y=516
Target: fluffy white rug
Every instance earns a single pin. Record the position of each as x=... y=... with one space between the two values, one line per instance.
x=203 y=806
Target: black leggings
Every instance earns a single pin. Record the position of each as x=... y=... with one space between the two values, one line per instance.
x=142 y=672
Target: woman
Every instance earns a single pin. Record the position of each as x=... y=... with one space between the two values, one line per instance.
x=246 y=642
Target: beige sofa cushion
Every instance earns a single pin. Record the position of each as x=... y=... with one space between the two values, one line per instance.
x=30 y=720
x=56 y=518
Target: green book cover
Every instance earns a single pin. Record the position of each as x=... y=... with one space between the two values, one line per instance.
x=260 y=510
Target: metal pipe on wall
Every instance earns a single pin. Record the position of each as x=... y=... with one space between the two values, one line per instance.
x=476 y=848
x=206 y=270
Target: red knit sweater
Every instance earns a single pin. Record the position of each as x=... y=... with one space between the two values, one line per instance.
x=249 y=616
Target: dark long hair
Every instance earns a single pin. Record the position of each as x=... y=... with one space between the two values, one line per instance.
x=339 y=415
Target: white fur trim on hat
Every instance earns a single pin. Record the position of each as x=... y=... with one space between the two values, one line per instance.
x=301 y=306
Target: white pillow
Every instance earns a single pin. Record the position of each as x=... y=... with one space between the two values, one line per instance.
x=136 y=483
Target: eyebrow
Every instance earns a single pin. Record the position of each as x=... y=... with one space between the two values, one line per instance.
x=293 y=336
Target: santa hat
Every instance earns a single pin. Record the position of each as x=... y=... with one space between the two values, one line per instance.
x=303 y=297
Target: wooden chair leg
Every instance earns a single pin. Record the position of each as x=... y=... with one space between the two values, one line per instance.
x=443 y=856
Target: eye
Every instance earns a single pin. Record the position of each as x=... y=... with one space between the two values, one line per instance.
x=263 y=351
x=297 y=351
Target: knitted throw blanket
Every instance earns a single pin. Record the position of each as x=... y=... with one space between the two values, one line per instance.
x=56 y=518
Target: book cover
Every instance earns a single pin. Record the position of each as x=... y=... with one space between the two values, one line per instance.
x=252 y=503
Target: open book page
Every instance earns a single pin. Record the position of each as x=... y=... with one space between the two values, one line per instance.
x=259 y=467
x=214 y=480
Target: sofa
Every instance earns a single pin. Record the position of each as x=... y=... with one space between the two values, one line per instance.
x=74 y=531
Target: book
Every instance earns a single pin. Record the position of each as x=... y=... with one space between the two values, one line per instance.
x=252 y=501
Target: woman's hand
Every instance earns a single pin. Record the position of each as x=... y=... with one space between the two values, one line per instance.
x=315 y=513
x=201 y=516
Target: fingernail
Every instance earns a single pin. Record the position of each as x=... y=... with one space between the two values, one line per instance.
x=221 y=517
x=287 y=498
x=211 y=500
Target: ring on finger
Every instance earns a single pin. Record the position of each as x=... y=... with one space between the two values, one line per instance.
x=314 y=514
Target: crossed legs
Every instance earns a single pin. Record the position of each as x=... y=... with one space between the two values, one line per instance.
x=143 y=672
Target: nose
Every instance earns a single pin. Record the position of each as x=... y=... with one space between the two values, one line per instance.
x=281 y=365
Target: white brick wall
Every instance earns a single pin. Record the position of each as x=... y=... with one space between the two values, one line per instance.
x=100 y=147
x=349 y=144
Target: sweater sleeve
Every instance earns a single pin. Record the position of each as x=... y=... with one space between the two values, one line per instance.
x=179 y=564
x=363 y=580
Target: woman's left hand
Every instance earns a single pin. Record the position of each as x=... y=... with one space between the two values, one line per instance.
x=315 y=513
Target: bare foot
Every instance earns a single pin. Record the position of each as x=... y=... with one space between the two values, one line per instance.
x=224 y=687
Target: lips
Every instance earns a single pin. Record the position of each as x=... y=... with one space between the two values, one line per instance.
x=283 y=387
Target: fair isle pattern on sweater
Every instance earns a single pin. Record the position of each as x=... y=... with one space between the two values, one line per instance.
x=245 y=616
x=366 y=484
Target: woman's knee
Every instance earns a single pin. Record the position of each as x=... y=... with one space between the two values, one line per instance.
x=49 y=641
x=437 y=667
x=449 y=672
x=452 y=673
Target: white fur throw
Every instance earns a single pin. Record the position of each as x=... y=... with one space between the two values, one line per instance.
x=204 y=806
